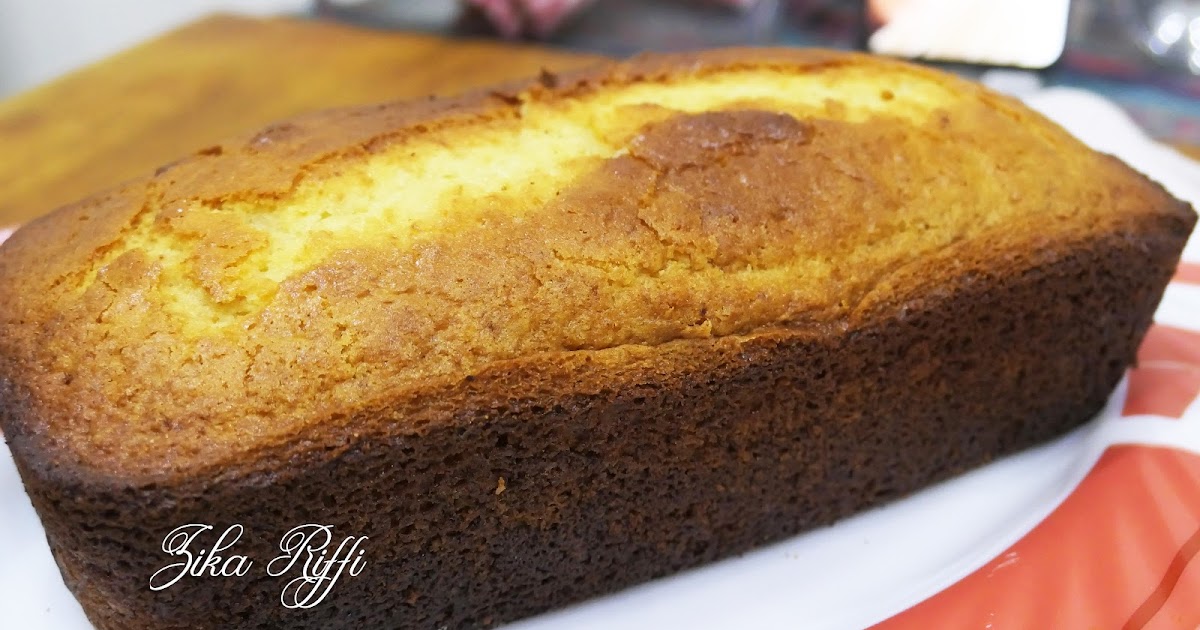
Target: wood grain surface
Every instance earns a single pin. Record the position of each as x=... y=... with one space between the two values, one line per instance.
x=130 y=113
x=1191 y=151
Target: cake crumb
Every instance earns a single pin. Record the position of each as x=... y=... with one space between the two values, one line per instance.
x=501 y=485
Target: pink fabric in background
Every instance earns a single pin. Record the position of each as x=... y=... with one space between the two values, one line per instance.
x=513 y=18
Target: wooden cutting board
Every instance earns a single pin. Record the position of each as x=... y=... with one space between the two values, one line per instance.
x=128 y=114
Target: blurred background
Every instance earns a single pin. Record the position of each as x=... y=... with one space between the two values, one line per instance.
x=41 y=39
x=1143 y=54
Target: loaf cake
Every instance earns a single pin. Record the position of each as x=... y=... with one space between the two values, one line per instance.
x=544 y=341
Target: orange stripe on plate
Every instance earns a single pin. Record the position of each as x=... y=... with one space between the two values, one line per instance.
x=1167 y=379
x=1179 y=611
x=1161 y=390
x=1142 y=616
x=1187 y=272
x=1120 y=540
x=1168 y=343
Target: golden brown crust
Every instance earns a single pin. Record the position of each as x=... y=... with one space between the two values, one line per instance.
x=766 y=307
x=705 y=217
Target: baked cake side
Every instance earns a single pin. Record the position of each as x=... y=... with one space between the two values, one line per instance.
x=544 y=341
